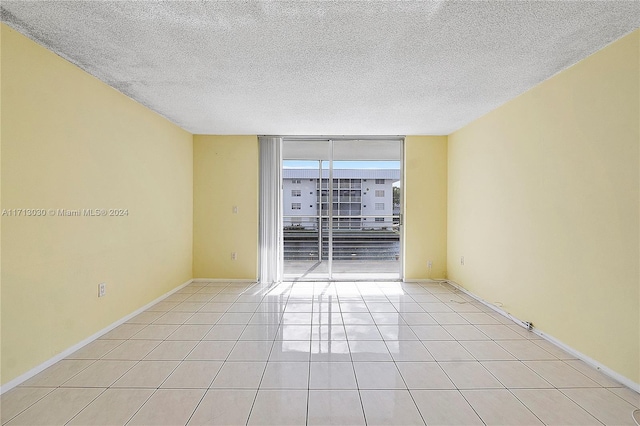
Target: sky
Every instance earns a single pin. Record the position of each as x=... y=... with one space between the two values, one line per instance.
x=301 y=164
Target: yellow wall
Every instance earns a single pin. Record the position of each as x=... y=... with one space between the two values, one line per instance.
x=225 y=174
x=425 y=202
x=543 y=205
x=542 y=199
x=71 y=142
x=1 y=204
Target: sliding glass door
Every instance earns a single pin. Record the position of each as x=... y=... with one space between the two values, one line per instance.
x=341 y=209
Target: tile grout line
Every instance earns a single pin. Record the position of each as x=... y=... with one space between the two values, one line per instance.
x=214 y=377
x=353 y=367
x=29 y=406
x=89 y=403
x=457 y=390
x=492 y=375
x=580 y=405
x=60 y=386
x=140 y=407
x=158 y=388
x=255 y=397
x=471 y=406
x=310 y=351
x=400 y=373
x=537 y=417
x=380 y=296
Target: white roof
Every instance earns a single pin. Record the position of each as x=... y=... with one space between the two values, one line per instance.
x=342 y=174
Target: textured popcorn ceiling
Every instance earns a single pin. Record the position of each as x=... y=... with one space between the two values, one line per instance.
x=340 y=67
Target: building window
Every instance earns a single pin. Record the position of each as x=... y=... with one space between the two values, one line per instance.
x=379 y=219
x=296 y=193
x=379 y=192
x=379 y=181
x=295 y=206
x=295 y=181
x=379 y=206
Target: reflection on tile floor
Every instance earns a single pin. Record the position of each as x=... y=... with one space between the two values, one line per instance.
x=319 y=354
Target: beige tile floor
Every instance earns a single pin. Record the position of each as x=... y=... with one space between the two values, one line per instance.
x=375 y=353
x=342 y=270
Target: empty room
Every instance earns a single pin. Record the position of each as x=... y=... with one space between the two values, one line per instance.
x=320 y=213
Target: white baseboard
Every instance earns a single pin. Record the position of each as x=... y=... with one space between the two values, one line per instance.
x=592 y=362
x=29 y=374
x=224 y=280
x=48 y=363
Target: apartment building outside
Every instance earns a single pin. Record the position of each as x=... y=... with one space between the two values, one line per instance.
x=362 y=198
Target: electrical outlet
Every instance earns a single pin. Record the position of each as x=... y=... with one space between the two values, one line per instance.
x=235 y=209
x=462 y=260
x=102 y=289
x=429 y=264
x=234 y=255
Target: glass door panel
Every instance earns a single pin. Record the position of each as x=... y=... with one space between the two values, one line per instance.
x=302 y=186
x=341 y=212
x=366 y=220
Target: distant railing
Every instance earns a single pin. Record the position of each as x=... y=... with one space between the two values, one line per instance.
x=356 y=237
x=341 y=185
x=341 y=199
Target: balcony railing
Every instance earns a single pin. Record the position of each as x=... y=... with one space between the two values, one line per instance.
x=341 y=199
x=354 y=238
x=339 y=185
